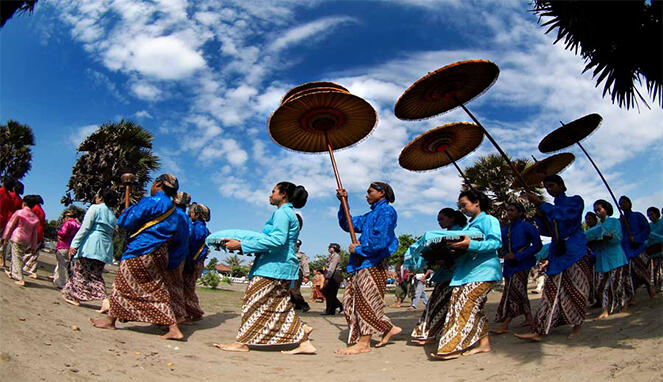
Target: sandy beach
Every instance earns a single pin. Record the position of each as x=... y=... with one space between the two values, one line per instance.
x=42 y=338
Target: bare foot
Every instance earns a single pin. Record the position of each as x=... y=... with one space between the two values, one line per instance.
x=174 y=333
x=105 y=306
x=354 y=349
x=70 y=301
x=102 y=323
x=9 y=274
x=603 y=315
x=33 y=275
x=575 y=332
x=535 y=337
x=651 y=291
x=234 y=347
x=482 y=347
x=385 y=338
x=307 y=330
x=446 y=356
x=500 y=330
x=422 y=342
x=305 y=347
x=20 y=283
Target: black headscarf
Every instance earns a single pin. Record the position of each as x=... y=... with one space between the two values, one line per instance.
x=386 y=188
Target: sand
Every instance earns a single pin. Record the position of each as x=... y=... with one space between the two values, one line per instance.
x=39 y=342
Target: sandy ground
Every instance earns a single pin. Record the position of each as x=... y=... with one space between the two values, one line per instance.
x=37 y=343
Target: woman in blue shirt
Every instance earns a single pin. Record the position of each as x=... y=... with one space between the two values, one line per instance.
x=174 y=278
x=267 y=297
x=654 y=246
x=611 y=262
x=566 y=289
x=139 y=291
x=634 y=242
x=195 y=261
x=520 y=242
x=363 y=301
x=431 y=322
x=474 y=275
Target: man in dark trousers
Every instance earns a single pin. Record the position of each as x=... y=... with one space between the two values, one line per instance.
x=333 y=279
x=295 y=290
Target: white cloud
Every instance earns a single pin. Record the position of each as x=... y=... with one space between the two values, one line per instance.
x=143 y=114
x=309 y=31
x=81 y=133
x=146 y=91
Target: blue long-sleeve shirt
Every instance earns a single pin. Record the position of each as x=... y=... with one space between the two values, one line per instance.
x=199 y=233
x=275 y=247
x=522 y=239
x=640 y=229
x=480 y=263
x=148 y=209
x=178 y=250
x=609 y=252
x=563 y=221
x=378 y=240
x=655 y=236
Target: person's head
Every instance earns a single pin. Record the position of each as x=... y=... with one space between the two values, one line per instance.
x=473 y=202
x=625 y=203
x=299 y=244
x=554 y=184
x=286 y=192
x=602 y=208
x=71 y=213
x=30 y=201
x=8 y=183
x=199 y=212
x=167 y=183
x=40 y=200
x=448 y=217
x=653 y=214
x=378 y=191
x=514 y=211
x=18 y=188
x=591 y=219
x=107 y=196
x=182 y=200
x=334 y=248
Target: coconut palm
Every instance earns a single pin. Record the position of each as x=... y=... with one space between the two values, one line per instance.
x=112 y=150
x=492 y=175
x=15 y=152
x=8 y=8
x=620 y=41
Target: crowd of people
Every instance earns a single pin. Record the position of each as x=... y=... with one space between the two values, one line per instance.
x=600 y=262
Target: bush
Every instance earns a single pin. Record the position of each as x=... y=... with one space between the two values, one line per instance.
x=211 y=279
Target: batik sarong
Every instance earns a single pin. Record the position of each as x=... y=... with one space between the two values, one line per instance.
x=268 y=316
x=175 y=285
x=86 y=282
x=611 y=289
x=465 y=323
x=432 y=320
x=656 y=266
x=193 y=309
x=19 y=253
x=363 y=303
x=514 y=300
x=641 y=274
x=140 y=292
x=564 y=298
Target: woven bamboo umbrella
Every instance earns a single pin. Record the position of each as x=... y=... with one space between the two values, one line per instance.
x=450 y=87
x=441 y=146
x=535 y=173
x=572 y=133
x=322 y=116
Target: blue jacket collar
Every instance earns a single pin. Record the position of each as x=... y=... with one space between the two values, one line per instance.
x=286 y=205
x=378 y=203
x=560 y=197
x=477 y=217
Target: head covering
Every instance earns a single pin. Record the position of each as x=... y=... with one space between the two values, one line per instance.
x=388 y=191
x=182 y=199
x=169 y=181
x=555 y=179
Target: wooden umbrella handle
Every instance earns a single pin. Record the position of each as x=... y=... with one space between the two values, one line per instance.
x=344 y=199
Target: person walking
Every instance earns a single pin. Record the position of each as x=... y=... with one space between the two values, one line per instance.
x=333 y=279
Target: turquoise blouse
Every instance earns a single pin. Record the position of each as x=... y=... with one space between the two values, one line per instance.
x=609 y=252
x=656 y=235
x=94 y=240
x=276 y=256
x=480 y=263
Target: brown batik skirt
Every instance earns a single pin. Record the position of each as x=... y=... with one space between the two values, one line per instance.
x=465 y=323
x=175 y=284
x=514 y=300
x=193 y=309
x=86 y=283
x=564 y=297
x=611 y=288
x=140 y=292
x=268 y=316
x=363 y=303
x=641 y=274
x=432 y=319
x=656 y=265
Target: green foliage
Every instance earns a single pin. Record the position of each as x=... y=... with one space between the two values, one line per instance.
x=51 y=230
x=211 y=265
x=404 y=242
x=492 y=175
x=620 y=42
x=9 y=8
x=112 y=150
x=226 y=280
x=211 y=279
x=15 y=151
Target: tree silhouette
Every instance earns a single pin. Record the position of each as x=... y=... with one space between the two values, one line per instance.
x=15 y=151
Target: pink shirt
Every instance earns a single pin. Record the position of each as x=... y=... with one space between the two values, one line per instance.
x=22 y=228
x=66 y=233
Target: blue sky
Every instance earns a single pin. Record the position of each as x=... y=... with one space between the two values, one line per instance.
x=204 y=77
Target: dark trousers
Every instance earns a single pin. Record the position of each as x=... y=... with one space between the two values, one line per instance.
x=296 y=297
x=330 y=291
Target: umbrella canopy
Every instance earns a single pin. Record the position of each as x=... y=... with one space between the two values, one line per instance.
x=570 y=133
x=312 y=114
x=535 y=173
x=441 y=146
x=445 y=89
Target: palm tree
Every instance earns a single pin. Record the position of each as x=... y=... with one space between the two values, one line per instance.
x=112 y=150
x=492 y=175
x=233 y=261
x=620 y=41
x=15 y=152
x=8 y=8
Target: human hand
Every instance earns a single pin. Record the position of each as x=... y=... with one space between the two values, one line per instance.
x=352 y=246
x=543 y=265
x=463 y=244
x=533 y=198
x=232 y=244
x=72 y=252
x=341 y=194
x=509 y=256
